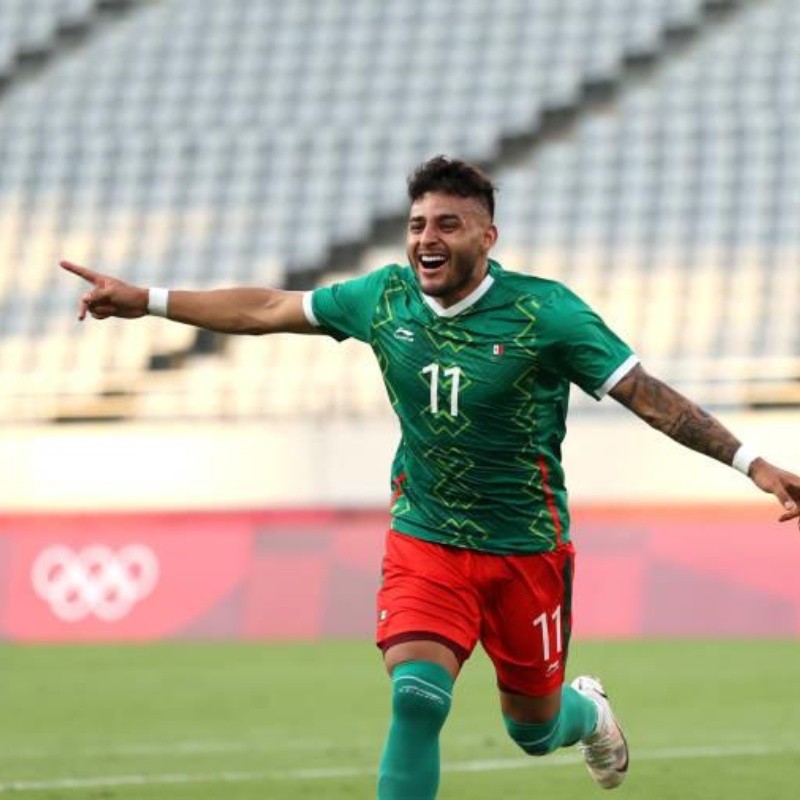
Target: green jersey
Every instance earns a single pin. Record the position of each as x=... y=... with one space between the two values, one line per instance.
x=481 y=391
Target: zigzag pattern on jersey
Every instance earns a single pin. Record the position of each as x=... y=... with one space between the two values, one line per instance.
x=527 y=306
x=453 y=465
x=400 y=506
x=383 y=363
x=440 y=338
x=384 y=315
x=541 y=526
x=466 y=533
x=443 y=421
x=445 y=345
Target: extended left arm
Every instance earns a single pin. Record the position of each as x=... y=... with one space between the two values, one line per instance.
x=670 y=412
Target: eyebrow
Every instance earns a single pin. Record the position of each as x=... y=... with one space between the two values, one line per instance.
x=440 y=218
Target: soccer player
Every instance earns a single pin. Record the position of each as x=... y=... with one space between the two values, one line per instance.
x=477 y=362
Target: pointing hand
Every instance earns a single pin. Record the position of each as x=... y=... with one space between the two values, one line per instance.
x=107 y=296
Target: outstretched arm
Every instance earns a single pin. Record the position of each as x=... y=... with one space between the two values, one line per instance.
x=670 y=412
x=241 y=310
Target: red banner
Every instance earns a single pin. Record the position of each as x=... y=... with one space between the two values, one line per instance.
x=308 y=574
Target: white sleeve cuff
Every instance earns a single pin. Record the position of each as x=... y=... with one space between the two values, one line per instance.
x=616 y=376
x=308 y=309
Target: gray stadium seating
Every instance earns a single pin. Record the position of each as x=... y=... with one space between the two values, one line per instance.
x=678 y=213
x=31 y=28
x=201 y=143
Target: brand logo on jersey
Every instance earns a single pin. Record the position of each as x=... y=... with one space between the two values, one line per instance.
x=497 y=349
x=404 y=335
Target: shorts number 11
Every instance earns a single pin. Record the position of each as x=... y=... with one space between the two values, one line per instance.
x=542 y=620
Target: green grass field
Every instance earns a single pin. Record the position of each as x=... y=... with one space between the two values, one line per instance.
x=244 y=721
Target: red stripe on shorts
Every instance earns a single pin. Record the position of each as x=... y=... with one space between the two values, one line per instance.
x=550 y=499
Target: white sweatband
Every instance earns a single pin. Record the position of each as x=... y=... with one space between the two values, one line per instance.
x=743 y=458
x=157 y=300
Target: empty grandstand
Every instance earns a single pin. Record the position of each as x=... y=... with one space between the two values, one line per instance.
x=646 y=153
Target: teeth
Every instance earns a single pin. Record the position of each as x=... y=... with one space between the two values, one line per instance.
x=432 y=261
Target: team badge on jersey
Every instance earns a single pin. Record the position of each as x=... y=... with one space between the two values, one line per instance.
x=497 y=349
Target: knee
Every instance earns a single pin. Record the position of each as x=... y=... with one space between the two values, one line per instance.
x=536 y=739
x=421 y=694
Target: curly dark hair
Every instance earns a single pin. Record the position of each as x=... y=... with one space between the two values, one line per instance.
x=452 y=176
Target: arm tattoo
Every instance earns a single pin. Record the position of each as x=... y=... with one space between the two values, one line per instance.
x=675 y=415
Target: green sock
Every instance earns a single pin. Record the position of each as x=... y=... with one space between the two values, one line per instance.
x=421 y=698
x=578 y=716
x=576 y=720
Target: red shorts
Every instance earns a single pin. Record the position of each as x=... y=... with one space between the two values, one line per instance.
x=518 y=606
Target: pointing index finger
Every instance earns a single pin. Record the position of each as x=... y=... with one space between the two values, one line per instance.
x=83 y=272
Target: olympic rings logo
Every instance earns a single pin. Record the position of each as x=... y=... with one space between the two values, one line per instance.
x=95 y=581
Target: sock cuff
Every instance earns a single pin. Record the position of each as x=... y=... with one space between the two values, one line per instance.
x=532 y=728
x=432 y=674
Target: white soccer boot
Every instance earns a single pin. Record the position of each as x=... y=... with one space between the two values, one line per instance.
x=606 y=750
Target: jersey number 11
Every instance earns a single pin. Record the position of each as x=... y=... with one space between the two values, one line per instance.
x=450 y=372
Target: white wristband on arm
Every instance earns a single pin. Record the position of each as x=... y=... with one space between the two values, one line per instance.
x=157 y=301
x=743 y=458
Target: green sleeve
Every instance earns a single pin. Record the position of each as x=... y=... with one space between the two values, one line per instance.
x=346 y=309
x=579 y=346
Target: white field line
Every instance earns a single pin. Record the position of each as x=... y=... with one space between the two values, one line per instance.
x=329 y=773
x=200 y=747
x=210 y=747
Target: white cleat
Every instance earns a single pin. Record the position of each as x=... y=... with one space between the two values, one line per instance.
x=606 y=750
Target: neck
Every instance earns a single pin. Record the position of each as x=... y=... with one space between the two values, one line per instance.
x=477 y=277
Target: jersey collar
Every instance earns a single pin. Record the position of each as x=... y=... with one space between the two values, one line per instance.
x=463 y=304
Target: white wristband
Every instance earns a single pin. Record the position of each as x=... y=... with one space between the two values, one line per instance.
x=743 y=458
x=157 y=301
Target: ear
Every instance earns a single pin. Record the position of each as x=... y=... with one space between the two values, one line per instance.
x=490 y=237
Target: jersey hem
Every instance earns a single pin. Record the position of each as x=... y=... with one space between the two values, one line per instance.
x=418 y=532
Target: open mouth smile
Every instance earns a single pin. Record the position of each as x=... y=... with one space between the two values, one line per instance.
x=431 y=262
